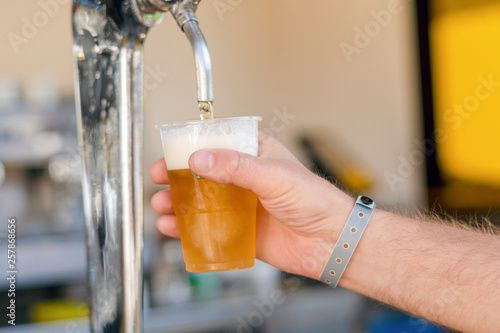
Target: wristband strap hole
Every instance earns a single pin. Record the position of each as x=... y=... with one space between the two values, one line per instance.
x=338 y=260
x=346 y=246
x=361 y=214
x=332 y=273
x=353 y=230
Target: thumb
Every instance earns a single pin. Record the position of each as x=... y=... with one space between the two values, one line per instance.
x=258 y=174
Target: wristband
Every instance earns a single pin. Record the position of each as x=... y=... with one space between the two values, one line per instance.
x=348 y=240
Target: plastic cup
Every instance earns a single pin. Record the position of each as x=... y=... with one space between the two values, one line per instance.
x=217 y=222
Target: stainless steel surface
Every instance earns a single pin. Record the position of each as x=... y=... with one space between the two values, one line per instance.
x=184 y=14
x=202 y=61
x=108 y=40
x=153 y=6
x=183 y=11
x=108 y=45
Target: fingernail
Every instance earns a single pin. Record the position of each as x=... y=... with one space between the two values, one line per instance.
x=195 y=175
x=203 y=161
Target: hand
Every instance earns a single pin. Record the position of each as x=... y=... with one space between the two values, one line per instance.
x=299 y=217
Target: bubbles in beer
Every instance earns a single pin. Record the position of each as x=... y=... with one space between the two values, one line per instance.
x=206 y=110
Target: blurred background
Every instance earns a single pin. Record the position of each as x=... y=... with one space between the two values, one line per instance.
x=394 y=99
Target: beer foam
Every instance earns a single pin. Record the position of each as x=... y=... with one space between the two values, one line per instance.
x=180 y=143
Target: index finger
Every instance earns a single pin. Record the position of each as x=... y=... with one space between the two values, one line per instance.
x=159 y=172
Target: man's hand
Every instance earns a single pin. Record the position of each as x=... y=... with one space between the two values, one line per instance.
x=299 y=216
x=431 y=269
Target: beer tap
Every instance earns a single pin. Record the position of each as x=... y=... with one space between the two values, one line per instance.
x=108 y=53
x=183 y=12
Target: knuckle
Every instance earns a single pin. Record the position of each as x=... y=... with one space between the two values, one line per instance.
x=234 y=164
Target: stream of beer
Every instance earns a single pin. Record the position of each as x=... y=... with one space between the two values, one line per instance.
x=206 y=110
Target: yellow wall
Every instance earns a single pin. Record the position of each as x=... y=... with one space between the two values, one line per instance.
x=466 y=68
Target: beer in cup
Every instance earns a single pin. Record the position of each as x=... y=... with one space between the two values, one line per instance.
x=217 y=222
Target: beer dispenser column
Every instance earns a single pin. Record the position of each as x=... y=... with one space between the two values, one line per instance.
x=107 y=48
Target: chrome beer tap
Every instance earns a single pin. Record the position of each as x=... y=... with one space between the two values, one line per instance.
x=108 y=52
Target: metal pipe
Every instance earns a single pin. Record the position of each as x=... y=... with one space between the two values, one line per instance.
x=108 y=44
x=184 y=14
x=202 y=61
x=108 y=37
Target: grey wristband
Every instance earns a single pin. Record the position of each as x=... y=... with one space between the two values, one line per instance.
x=348 y=240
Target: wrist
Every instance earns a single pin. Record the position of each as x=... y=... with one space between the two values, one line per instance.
x=378 y=235
x=321 y=247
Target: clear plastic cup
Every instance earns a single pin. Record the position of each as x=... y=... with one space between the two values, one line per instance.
x=217 y=222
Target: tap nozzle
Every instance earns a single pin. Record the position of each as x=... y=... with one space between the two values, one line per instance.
x=184 y=14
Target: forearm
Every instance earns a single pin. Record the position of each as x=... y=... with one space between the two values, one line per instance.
x=436 y=271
